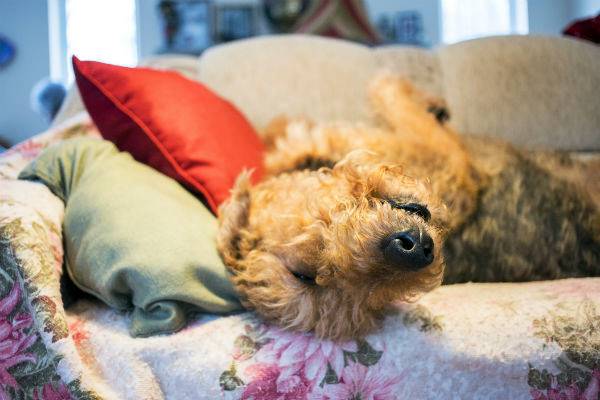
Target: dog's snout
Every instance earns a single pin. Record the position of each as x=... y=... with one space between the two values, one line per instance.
x=411 y=249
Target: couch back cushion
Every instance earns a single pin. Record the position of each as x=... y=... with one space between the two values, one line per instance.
x=421 y=66
x=296 y=75
x=532 y=91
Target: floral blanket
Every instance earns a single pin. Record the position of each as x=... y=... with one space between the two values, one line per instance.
x=495 y=341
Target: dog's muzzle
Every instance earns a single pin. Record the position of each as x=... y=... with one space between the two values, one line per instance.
x=411 y=249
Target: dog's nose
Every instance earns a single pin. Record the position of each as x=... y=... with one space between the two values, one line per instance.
x=411 y=249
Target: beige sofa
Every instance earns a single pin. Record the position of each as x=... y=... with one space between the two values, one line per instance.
x=536 y=340
x=533 y=91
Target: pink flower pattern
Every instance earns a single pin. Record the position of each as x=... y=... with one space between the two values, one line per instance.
x=13 y=339
x=279 y=365
x=303 y=355
x=49 y=392
x=288 y=365
x=78 y=332
x=28 y=149
x=360 y=382
x=264 y=384
x=23 y=358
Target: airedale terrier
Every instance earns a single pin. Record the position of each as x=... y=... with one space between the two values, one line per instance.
x=353 y=218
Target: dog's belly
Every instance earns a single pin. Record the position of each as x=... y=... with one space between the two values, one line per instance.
x=528 y=225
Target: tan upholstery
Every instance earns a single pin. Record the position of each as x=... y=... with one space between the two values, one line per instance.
x=533 y=91
x=295 y=75
x=421 y=66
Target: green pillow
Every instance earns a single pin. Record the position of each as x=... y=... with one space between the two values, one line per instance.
x=134 y=237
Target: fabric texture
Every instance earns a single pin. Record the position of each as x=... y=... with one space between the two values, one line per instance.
x=422 y=67
x=134 y=237
x=531 y=91
x=533 y=340
x=173 y=124
x=295 y=75
x=492 y=85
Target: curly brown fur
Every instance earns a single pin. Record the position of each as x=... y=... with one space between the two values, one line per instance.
x=305 y=245
x=328 y=225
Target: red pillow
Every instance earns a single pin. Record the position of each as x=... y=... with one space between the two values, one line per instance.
x=173 y=124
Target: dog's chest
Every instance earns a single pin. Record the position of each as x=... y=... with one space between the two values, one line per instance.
x=527 y=225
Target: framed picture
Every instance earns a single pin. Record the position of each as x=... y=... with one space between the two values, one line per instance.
x=404 y=27
x=186 y=25
x=235 y=21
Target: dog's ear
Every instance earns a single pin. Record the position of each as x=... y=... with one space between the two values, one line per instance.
x=233 y=220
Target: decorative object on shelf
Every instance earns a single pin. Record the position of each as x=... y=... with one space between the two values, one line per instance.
x=7 y=51
x=345 y=19
x=404 y=27
x=282 y=15
x=46 y=98
x=235 y=21
x=186 y=25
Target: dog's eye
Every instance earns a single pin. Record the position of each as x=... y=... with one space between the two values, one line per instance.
x=413 y=208
x=309 y=280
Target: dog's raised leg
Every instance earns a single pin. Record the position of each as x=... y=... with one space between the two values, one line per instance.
x=406 y=111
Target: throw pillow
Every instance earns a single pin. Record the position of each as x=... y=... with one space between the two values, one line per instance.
x=175 y=125
x=134 y=237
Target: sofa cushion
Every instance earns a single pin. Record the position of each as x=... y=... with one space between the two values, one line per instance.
x=421 y=66
x=532 y=91
x=173 y=124
x=134 y=237
x=296 y=75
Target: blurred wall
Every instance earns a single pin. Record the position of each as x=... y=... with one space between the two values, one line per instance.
x=586 y=8
x=149 y=27
x=25 y=23
x=549 y=17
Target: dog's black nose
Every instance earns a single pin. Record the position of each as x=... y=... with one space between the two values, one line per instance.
x=411 y=249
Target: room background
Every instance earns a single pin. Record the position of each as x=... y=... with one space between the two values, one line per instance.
x=36 y=29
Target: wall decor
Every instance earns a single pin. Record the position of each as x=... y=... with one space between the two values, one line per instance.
x=343 y=19
x=186 y=25
x=282 y=15
x=235 y=21
x=404 y=27
x=7 y=51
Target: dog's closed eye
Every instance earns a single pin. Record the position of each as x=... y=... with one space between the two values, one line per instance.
x=309 y=280
x=412 y=208
x=302 y=272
